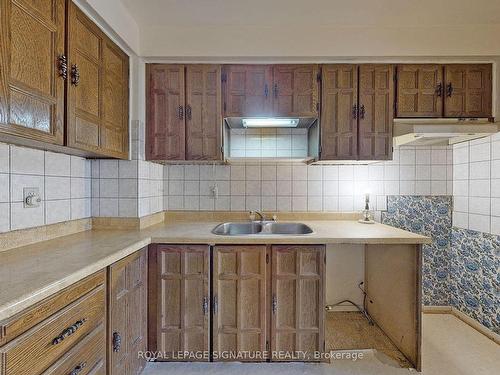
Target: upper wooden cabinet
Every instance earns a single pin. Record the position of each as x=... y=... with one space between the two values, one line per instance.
x=357 y=112
x=271 y=90
x=97 y=89
x=467 y=90
x=31 y=83
x=247 y=90
x=184 y=112
x=49 y=47
x=452 y=90
x=296 y=90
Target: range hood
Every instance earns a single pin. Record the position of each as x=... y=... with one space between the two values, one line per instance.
x=270 y=122
x=441 y=132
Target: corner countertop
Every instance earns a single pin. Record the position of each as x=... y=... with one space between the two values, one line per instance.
x=31 y=273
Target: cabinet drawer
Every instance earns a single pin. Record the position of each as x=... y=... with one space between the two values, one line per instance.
x=20 y=323
x=35 y=350
x=87 y=357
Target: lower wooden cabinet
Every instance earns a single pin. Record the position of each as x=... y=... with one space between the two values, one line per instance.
x=127 y=314
x=180 y=316
x=58 y=334
x=239 y=301
x=263 y=299
x=298 y=295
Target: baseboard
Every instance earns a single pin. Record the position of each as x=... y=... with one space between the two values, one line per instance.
x=127 y=223
x=464 y=318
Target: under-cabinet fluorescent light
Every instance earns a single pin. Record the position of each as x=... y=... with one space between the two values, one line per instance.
x=270 y=122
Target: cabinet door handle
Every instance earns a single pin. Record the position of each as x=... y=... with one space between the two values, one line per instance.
x=362 y=112
x=63 y=67
x=205 y=306
x=215 y=305
x=75 y=75
x=439 y=89
x=275 y=304
x=266 y=90
x=78 y=368
x=117 y=342
x=180 y=112
x=188 y=112
x=355 y=111
x=275 y=89
x=449 y=89
x=68 y=331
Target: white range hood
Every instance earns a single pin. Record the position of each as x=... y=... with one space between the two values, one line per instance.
x=441 y=132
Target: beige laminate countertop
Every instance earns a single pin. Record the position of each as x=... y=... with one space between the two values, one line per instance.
x=31 y=273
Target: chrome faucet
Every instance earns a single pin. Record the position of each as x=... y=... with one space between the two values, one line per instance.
x=261 y=215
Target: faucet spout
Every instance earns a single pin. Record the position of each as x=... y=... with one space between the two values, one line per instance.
x=261 y=215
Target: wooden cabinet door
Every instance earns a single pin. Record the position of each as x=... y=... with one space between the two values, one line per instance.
x=239 y=299
x=376 y=112
x=85 y=82
x=127 y=333
x=420 y=90
x=183 y=299
x=203 y=112
x=295 y=90
x=165 y=138
x=247 y=90
x=297 y=322
x=467 y=90
x=339 y=124
x=31 y=86
x=114 y=132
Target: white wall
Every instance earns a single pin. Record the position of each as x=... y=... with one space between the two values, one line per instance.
x=476 y=185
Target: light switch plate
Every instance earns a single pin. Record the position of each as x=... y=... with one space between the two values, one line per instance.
x=31 y=197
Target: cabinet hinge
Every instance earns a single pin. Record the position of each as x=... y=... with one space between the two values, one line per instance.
x=267 y=345
x=267 y=258
x=324 y=346
x=222 y=150
x=318 y=77
x=317 y=107
x=224 y=77
x=325 y=257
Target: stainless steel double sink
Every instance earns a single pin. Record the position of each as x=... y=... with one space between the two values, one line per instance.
x=261 y=228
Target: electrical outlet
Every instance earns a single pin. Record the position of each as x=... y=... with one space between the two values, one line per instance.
x=31 y=197
x=215 y=191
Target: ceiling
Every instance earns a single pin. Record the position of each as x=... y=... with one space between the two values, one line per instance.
x=300 y=13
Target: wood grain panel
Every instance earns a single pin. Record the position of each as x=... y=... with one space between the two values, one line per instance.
x=114 y=133
x=165 y=127
x=376 y=103
x=31 y=91
x=128 y=313
x=393 y=282
x=468 y=90
x=247 y=90
x=35 y=350
x=85 y=44
x=182 y=323
x=295 y=90
x=339 y=125
x=203 y=112
x=418 y=90
x=239 y=293
x=298 y=294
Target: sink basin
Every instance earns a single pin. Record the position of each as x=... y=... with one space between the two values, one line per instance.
x=237 y=229
x=261 y=228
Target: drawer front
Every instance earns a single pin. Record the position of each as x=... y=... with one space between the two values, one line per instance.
x=87 y=357
x=20 y=323
x=38 y=348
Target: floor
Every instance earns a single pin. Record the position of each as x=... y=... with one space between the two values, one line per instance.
x=449 y=347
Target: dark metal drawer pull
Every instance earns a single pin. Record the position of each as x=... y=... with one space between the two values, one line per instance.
x=362 y=112
x=439 y=89
x=78 y=369
x=355 y=111
x=274 y=304
x=75 y=75
x=205 y=305
x=449 y=89
x=68 y=331
x=215 y=305
x=63 y=67
x=117 y=342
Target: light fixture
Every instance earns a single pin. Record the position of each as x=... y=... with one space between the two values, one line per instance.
x=271 y=122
